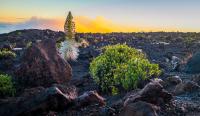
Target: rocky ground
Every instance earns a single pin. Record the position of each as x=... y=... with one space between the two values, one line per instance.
x=176 y=93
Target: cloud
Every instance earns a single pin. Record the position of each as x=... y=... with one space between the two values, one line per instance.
x=32 y=23
x=100 y=24
x=83 y=24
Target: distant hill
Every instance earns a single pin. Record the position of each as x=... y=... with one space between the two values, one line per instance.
x=20 y=38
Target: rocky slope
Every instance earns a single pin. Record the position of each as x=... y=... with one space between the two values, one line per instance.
x=175 y=93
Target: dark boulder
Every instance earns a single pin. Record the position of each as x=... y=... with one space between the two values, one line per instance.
x=89 y=97
x=184 y=87
x=196 y=78
x=147 y=101
x=193 y=64
x=171 y=82
x=42 y=65
x=174 y=80
x=40 y=101
x=43 y=100
x=152 y=93
x=140 y=108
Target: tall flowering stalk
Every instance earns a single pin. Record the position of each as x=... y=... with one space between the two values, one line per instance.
x=69 y=27
x=69 y=48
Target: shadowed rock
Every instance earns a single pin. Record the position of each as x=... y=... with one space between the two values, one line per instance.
x=50 y=99
x=153 y=93
x=147 y=101
x=184 y=87
x=43 y=66
x=140 y=108
x=89 y=98
x=47 y=99
x=173 y=80
x=193 y=64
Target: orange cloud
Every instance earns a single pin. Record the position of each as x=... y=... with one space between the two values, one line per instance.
x=83 y=24
x=100 y=24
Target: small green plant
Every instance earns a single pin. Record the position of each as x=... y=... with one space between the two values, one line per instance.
x=29 y=44
x=6 y=86
x=58 y=45
x=4 y=54
x=19 y=33
x=121 y=66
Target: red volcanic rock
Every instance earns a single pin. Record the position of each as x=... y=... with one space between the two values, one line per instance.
x=42 y=65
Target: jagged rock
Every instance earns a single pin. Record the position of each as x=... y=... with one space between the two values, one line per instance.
x=175 y=63
x=171 y=82
x=160 y=81
x=153 y=93
x=89 y=97
x=174 y=80
x=147 y=101
x=6 y=46
x=139 y=108
x=50 y=99
x=196 y=78
x=188 y=86
x=193 y=64
x=43 y=66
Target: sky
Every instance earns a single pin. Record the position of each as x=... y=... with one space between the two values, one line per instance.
x=101 y=15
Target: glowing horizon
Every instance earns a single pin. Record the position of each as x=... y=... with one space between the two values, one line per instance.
x=102 y=16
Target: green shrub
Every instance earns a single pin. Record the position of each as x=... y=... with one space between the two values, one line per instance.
x=58 y=45
x=121 y=66
x=4 y=54
x=29 y=44
x=6 y=86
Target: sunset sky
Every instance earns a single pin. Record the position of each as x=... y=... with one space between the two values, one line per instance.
x=102 y=15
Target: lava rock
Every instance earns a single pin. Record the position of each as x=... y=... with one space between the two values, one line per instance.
x=42 y=101
x=153 y=93
x=42 y=65
x=184 y=87
x=90 y=97
x=193 y=64
x=46 y=100
x=174 y=80
x=196 y=78
x=140 y=108
x=21 y=37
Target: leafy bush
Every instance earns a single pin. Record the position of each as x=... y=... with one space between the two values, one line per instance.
x=4 y=54
x=6 y=86
x=121 y=66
